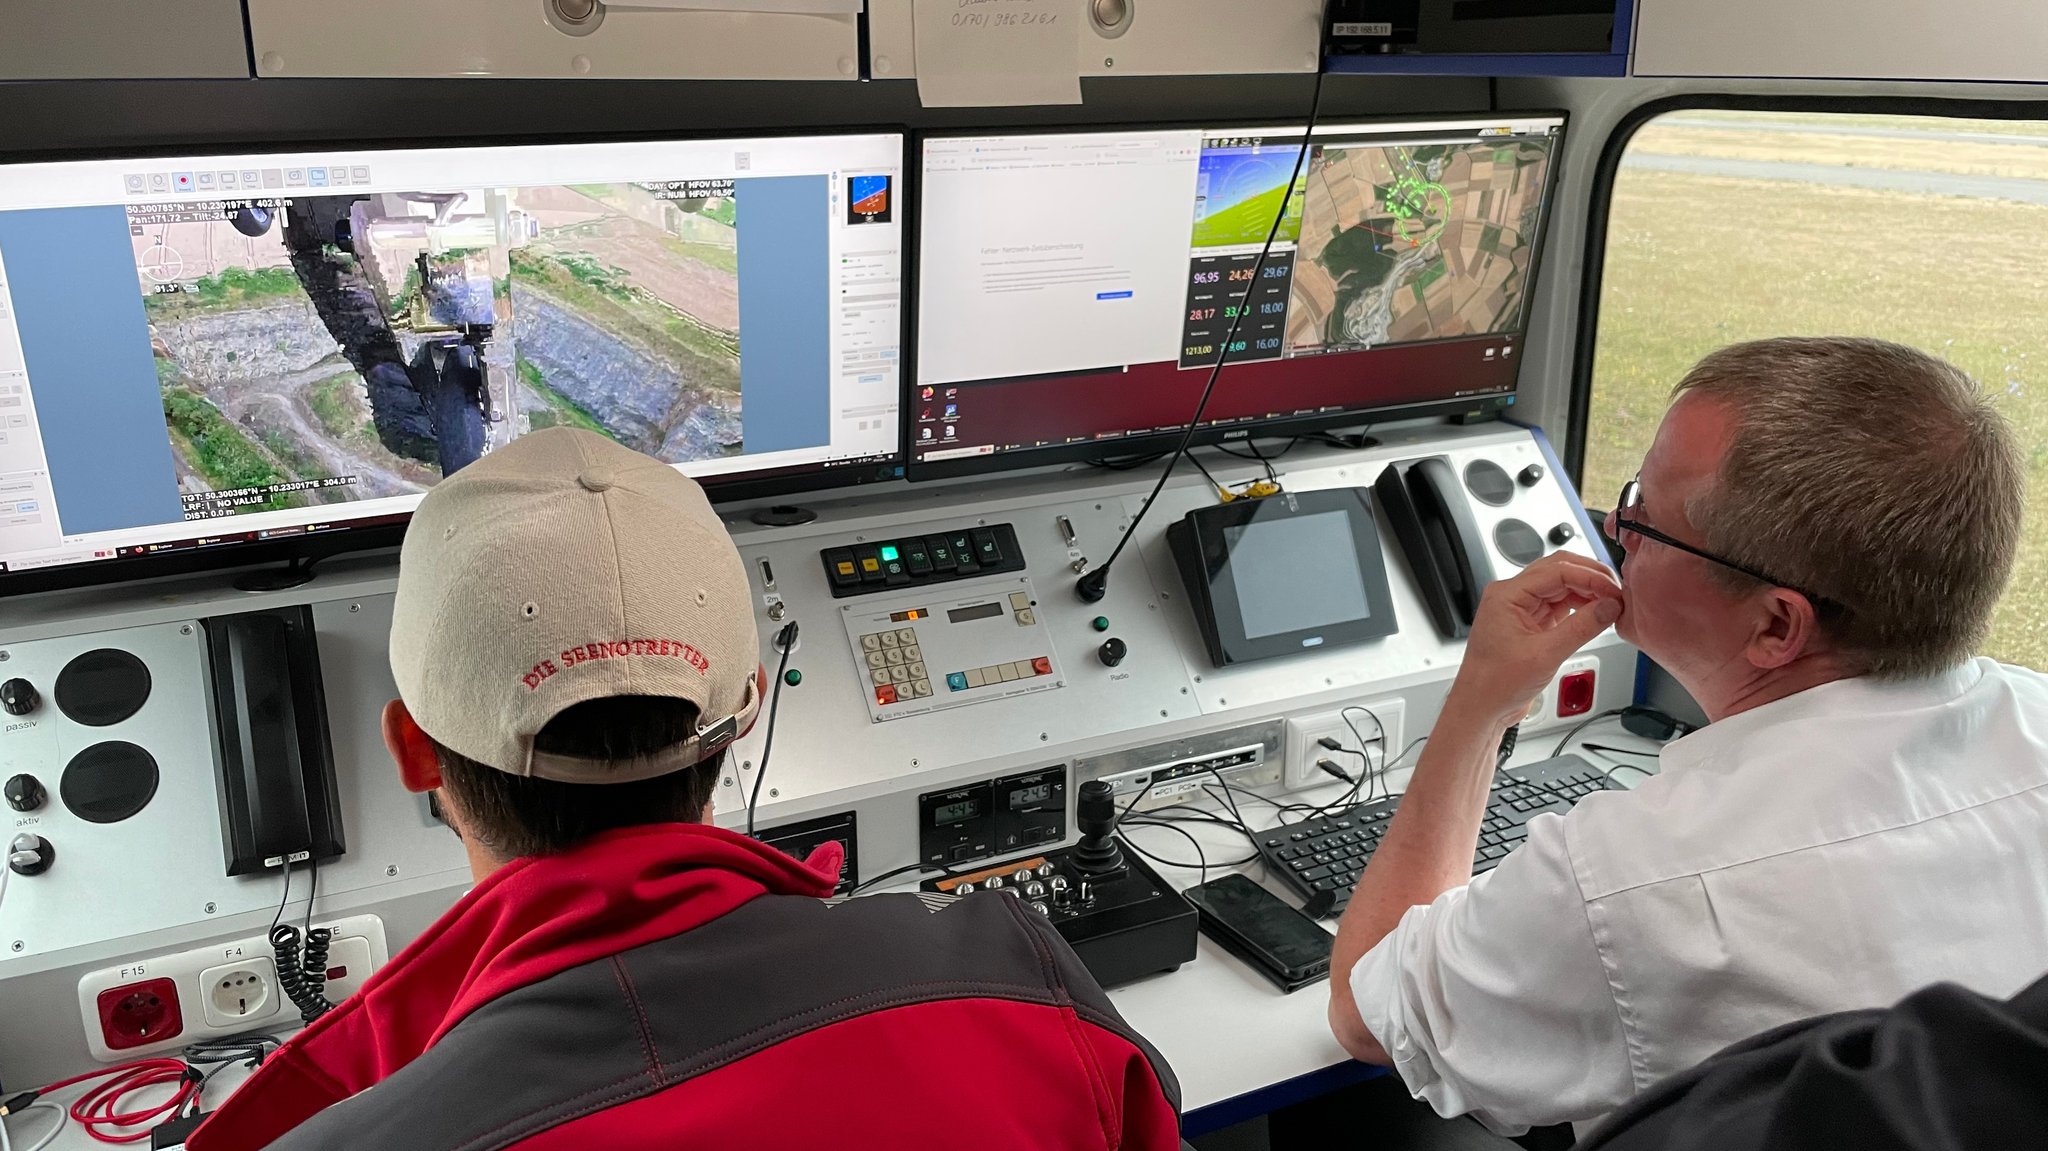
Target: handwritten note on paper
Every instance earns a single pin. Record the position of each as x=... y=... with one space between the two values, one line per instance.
x=983 y=53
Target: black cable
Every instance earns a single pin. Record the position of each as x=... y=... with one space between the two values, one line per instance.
x=1200 y=855
x=886 y=876
x=1221 y=491
x=1379 y=727
x=1582 y=725
x=1608 y=749
x=1094 y=585
x=786 y=640
x=249 y=1050
x=1609 y=773
x=312 y=893
x=285 y=898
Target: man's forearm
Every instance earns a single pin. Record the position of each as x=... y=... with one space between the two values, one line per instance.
x=1427 y=851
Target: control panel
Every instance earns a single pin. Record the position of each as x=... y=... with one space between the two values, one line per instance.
x=996 y=816
x=799 y=840
x=917 y=560
x=927 y=651
x=875 y=744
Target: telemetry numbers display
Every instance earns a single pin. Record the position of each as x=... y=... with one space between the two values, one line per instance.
x=1218 y=287
x=920 y=652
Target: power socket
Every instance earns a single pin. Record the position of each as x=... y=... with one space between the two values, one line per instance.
x=224 y=989
x=239 y=994
x=1543 y=712
x=1305 y=731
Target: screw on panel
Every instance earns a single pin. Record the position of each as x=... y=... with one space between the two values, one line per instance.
x=1162 y=713
x=1183 y=691
x=209 y=909
x=185 y=629
x=391 y=869
x=774 y=792
x=355 y=607
x=18 y=945
x=1042 y=737
x=728 y=781
x=3 y=657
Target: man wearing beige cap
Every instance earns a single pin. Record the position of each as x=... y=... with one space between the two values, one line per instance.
x=575 y=649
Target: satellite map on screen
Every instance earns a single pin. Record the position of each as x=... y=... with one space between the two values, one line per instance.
x=1407 y=243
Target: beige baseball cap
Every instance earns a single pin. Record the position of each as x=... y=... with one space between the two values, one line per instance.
x=561 y=568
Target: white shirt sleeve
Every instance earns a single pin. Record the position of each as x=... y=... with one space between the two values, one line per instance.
x=1494 y=999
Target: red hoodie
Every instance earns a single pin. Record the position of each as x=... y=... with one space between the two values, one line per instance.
x=661 y=983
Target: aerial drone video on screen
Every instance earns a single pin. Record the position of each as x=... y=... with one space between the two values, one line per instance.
x=317 y=349
x=1407 y=243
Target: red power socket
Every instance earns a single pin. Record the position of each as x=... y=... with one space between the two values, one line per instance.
x=138 y=1014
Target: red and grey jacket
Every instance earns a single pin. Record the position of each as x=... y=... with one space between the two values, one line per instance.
x=683 y=986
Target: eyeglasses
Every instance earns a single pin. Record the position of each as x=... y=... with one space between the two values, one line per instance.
x=1624 y=521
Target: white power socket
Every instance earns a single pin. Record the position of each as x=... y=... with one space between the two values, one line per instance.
x=231 y=987
x=1305 y=731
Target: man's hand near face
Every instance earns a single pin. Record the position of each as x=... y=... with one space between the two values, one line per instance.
x=1525 y=629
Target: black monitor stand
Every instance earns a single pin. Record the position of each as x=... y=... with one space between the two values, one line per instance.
x=296 y=572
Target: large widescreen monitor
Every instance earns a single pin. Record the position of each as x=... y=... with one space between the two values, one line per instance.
x=256 y=355
x=1075 y=288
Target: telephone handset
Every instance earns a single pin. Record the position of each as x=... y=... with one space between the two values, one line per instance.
x=1426 y=506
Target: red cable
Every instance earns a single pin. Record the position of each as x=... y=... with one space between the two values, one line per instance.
x=99 y=1107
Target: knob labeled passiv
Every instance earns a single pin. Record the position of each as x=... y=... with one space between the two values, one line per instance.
x=19 y=696
x=1112 y=652
x=25 y=793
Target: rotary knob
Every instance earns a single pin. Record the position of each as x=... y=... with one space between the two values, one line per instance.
x=30 y=855
x=19 y=696
x=1531 y=475
x=1034 y=890
x=992 y=883
x=964 y=889
x=1563 y=534
x=1021 y=875
x=1045 y=870
x=25 y=793
x=1112 y=652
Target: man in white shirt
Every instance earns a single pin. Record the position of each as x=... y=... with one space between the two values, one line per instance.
x=1814 y=547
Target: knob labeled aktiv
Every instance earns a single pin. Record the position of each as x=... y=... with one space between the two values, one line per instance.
x=25 y=793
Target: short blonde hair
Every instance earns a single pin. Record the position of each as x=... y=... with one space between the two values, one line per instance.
x=1872 y=474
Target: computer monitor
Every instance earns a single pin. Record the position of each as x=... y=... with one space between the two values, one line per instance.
x=1074 y=286
x=228 y=358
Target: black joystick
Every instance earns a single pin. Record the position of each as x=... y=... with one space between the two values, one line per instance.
x=1097 y=856
x=19 y=696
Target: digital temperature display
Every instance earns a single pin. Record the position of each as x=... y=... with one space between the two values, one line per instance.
x=1030 y=796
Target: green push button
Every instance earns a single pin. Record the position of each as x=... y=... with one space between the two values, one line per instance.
x=793 y=677
x=890 y=555
x=1102 y=623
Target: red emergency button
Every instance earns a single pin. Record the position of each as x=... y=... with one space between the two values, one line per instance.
x=1041 y=666
x=1575 y=694
x=885 y=694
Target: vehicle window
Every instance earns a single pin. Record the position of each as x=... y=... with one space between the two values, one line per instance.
x=1735 y=225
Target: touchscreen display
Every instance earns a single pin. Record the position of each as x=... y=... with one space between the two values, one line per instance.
x=1297 y=573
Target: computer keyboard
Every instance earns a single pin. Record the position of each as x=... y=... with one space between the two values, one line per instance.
x=1326 y=854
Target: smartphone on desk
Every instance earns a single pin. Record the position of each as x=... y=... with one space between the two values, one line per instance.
x=1281 y=943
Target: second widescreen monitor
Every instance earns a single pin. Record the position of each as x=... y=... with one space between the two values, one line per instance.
x=1076 y=288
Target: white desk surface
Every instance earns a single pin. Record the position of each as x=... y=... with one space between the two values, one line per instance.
x=1228 y=1033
